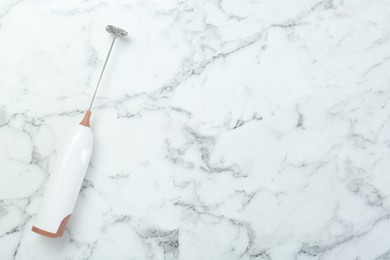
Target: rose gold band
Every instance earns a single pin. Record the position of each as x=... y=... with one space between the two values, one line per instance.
x=85 y=121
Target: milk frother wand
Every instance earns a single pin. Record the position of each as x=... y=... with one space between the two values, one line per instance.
x=65 y=181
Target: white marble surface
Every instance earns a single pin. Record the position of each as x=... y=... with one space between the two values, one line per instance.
x=227 y=129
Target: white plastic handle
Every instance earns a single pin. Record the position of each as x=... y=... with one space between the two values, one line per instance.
x=64 y=183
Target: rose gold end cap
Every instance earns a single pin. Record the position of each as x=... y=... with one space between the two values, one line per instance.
x=59 y=232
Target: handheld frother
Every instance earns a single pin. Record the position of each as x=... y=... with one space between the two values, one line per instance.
x=69 y=171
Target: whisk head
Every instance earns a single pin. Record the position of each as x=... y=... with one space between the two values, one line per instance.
x=116 y=31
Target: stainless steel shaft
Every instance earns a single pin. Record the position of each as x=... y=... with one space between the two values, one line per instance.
x=116 y=32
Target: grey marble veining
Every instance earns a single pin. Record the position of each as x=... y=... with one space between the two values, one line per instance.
x=223 y=129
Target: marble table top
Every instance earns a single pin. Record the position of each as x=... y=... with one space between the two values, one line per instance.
x=226 y=129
